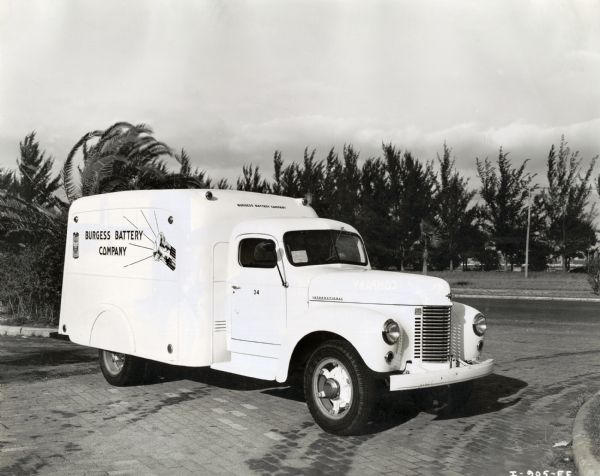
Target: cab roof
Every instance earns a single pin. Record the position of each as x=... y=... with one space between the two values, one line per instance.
x=278 y=226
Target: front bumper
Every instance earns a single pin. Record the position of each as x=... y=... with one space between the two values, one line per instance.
x=419 y=377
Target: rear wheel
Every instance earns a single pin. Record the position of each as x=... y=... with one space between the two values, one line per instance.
x=121 y=369
x=339 y=389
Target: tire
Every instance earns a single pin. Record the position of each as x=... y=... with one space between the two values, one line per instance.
x=121 y=369
x=339 y=388
x=446 y=399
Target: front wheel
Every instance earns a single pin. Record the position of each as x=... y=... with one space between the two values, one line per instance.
x=121 y=369
x=339 y=389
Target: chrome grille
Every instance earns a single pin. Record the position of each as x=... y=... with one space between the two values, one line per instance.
x=432 y=334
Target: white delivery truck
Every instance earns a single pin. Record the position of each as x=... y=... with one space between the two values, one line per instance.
x=258 y=285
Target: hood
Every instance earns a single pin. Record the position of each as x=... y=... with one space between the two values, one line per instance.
x=379 y=287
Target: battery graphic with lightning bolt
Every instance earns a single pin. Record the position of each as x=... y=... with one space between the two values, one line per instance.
x=163 y=251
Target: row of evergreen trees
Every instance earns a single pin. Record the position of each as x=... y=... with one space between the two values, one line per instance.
x=412 y=213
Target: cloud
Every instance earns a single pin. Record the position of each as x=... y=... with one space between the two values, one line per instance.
x=257 y=142
x=233 y=84
x=585 y=56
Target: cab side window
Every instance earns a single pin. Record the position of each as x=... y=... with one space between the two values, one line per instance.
x=257 y=253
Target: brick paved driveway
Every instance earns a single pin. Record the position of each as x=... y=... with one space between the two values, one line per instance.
x=58 y=415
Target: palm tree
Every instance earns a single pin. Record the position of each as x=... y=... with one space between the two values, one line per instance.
x=124 y=157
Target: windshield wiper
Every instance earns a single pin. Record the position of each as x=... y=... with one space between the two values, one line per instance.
x=335 y=250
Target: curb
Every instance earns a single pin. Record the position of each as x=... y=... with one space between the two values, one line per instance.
x=27 y=331
x=524 y=298
x=584 y=428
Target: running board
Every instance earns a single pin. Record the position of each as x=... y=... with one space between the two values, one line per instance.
x=254 y=366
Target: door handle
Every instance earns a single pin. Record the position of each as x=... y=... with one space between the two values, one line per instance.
x=235 y=287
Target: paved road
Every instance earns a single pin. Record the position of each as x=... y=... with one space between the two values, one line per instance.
x=58 y=415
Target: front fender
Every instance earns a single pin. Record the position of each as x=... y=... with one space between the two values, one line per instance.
x=360 y=326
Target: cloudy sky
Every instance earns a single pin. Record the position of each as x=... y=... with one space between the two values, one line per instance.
x=232 y=81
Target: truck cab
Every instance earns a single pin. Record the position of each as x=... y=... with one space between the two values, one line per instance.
x=266 y=289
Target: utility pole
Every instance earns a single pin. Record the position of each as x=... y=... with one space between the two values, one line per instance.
x=427 y=233
x=527 y=239
x=425 y=255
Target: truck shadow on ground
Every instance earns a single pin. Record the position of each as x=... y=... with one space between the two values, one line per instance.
x=490 y=394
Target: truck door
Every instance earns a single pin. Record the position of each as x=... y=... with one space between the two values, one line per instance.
x=258 y=311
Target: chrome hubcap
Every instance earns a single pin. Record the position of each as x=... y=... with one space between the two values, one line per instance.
x=113 y=362
x=332 y=385
x=331 y=389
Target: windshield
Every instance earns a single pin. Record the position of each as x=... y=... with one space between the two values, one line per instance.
x=312 y=247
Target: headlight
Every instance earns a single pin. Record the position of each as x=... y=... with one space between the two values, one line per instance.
x=391 y=332
x=479 y=325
